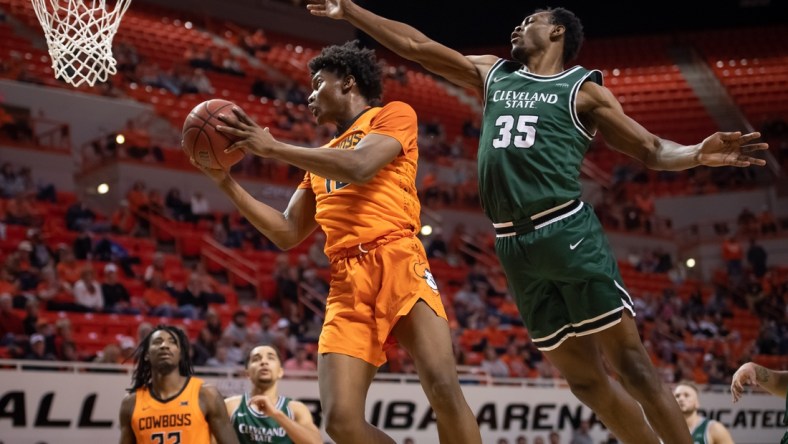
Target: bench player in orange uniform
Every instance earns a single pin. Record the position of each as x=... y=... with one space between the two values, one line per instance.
x=166 y=404
x=361 y=189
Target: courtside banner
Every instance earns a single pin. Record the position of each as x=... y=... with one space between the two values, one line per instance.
x=56 y=407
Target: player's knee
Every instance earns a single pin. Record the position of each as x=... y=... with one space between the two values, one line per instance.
x=588 y=385
x=341 y=424
x=637 y=372
x=443 y=393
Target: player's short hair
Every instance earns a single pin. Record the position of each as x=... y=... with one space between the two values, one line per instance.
x=689 y=384
x=573 y=36
x=249 y=355
x=350 y=59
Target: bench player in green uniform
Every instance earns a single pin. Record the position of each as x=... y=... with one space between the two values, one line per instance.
x=539 y=119
x=773 y=381
x=703 y=430
x=263 y=416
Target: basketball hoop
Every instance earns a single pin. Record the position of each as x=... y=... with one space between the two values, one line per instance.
x=79 y=36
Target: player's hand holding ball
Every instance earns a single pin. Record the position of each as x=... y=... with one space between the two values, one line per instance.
x=249 y=136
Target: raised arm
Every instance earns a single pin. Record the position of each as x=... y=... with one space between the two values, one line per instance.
x=287 y=229
x=600 y=110
x=409 y=43
x=216 y=415
x=773 y=381
x=126 y=409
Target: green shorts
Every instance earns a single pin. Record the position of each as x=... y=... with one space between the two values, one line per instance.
x=563 y=276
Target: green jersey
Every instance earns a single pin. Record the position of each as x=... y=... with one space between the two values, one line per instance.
x=532 y=141
x=252 y=426
x=701 y=431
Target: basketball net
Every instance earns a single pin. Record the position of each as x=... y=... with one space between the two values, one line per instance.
x=79 y=36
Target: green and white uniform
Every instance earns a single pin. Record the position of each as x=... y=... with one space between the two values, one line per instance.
x=252 y=426
x=700 y=434
x=558 y=262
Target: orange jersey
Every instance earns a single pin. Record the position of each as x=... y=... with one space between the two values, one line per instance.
x=353 y=214
x=177 y=420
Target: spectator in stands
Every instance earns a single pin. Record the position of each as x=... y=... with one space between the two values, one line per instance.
x=582 y=434
x=237 y=330
x=79 y=216
x=317 y=252
x=200 y=207
x=756 y=257
x=437 y=246
x=492 y=364
x=38 y=349
x=143 y=330
x=767 y=221
x=83 y=245
x=124 y=222
x=256 y=43
x=204 y=347
x=213 y=323
x=195 y=296
x=513 y=358
x=178 y=208
x=157 y=265
x=160 y=302
x=300 y=361
x=261 y=88
x=11 y=185
x=69 y=352
x=56 y=293
x=18 y=263
x=221 y=358
x=522 y=440
x=9 y=284
x=732 y=254
x=11 y=325
x=22 y=210
x=87 y=291
x=116 y=296
x=68 y=269
x=265 y=332
x=108 y=250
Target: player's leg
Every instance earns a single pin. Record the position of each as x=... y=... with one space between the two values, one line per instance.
x=625 y=353
x=344 y=382
x=427 y=338
x=579 y=360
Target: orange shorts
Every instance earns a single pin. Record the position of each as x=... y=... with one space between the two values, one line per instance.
x=370 y=291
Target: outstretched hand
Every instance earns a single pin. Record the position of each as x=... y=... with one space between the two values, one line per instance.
x=745 y=375
x=731 y=149
x=251 y=138
x=334 y=9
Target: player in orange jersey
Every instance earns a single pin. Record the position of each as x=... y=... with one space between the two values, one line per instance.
x=361 y=190
x=166 y=404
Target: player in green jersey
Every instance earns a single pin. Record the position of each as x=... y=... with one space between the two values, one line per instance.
x=538 y=122
x=703 y=430
x=262 y=415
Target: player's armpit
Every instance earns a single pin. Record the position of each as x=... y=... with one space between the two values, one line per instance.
x=216 y=415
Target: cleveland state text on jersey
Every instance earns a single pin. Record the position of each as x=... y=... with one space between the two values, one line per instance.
x=523 y=99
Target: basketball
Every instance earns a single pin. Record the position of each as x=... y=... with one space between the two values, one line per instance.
x=201 y=140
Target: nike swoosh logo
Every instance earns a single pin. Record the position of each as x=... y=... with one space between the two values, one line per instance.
x=241 y=414
x=145 y=408
x=498 y=79
x=573 y=246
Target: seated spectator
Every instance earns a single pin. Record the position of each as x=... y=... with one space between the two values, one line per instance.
x=79 y=217
x=23 y=210
x=124 y=222
x=56 y=293
x=116 y=296
x=11 y=326
x=260 y=88
x=160 y=302
x=88 y=292
x=200 y=207
x=177 y=207
x=107 y=250
x=492 y=365
x=18 y=263
x=83 y=246
x=237 y=330
x=38 y=349
x=300 y=361
x=257 y=43
x=68 y=269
